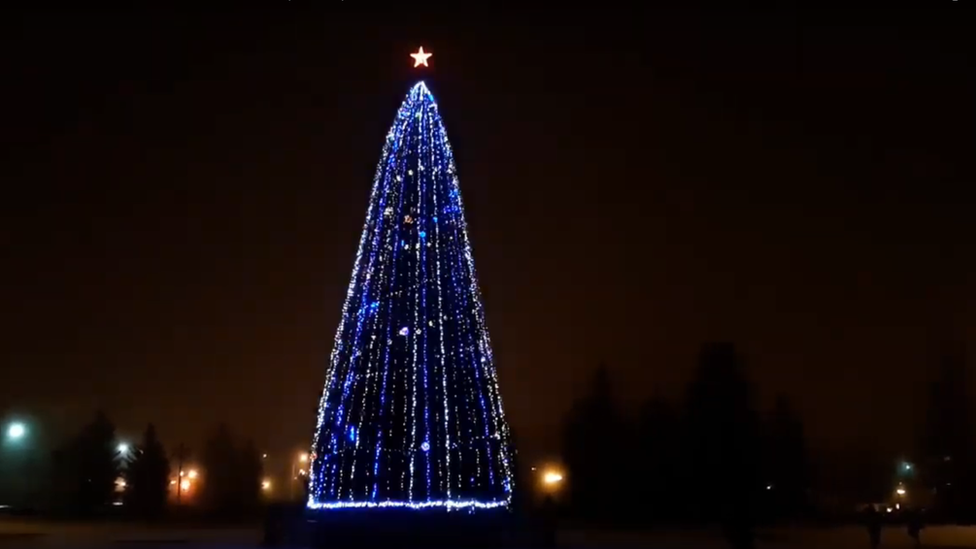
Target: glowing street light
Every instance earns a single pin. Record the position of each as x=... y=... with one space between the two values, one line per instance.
x=266 y=485
x=123 y=448
x=900 y=491
x=552 y=477
x=16 y=431
x=192 y=473
x=303 y=458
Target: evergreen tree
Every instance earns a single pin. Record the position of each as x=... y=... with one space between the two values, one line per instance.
x=90 y=467
x=147 y=477
x=232 y=485
x=221 y=484
x=594 y=450
x=657 y=470
x=946 y=441
x=723 y=439
x=786 y=469
x=411 y=415
x=251 y=472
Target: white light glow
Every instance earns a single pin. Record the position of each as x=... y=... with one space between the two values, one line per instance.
x=16 y=430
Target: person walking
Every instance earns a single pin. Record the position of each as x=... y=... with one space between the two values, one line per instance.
x=872 y=520
x=915 y=526
x=548 y=522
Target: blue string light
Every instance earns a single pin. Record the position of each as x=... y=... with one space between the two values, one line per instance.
x=411 y=416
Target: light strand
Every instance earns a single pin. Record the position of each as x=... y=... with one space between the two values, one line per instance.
x=447 y=504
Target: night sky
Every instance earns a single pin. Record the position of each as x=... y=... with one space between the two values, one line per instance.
x=183 y=197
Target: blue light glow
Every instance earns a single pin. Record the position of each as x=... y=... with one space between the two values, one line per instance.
x=444 y=504
x=414 y=422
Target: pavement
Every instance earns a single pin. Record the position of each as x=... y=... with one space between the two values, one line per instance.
x=79 y=535
x=38 y=535
x=848 y=537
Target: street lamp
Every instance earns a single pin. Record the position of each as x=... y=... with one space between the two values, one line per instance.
x=295 y=473
x=123 y=448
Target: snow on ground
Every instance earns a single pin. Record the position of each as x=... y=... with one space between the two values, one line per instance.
x=67 y=535
x=945 y=537
x=38 y=535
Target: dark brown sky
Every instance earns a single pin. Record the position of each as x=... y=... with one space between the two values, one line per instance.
x=183 y=196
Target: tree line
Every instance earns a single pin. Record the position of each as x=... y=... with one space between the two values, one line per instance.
x=93 y=475
x=713 y=457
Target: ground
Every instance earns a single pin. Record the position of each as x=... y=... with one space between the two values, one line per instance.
x=65 y=535
x=30 y=535
x=943 y=537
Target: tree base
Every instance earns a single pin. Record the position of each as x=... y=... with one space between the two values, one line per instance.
x=421 y=529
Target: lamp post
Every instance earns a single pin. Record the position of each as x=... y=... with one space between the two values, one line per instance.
x=18 y=463
x=181 y=454
x=295 y=472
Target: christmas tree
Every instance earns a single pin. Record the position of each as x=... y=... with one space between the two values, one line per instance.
x=411 y=415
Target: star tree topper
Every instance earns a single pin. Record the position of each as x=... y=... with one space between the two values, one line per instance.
x=420 y=58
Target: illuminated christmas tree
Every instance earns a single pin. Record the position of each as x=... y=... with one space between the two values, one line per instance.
x=411 y=415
